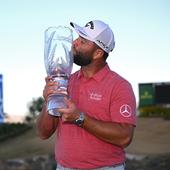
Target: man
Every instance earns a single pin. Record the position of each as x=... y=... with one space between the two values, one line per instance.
x=99 y=120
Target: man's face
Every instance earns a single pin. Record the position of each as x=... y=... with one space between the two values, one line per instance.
x=83 y=51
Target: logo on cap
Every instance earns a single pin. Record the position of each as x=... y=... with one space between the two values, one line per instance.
x=103 y=44
x=91 y=24
x=125 y=110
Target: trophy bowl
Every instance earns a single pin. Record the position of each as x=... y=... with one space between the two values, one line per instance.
x=58 y=61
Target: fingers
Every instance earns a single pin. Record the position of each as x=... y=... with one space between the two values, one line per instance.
x=49 y=87
x=67 y=101
x=47 y=92
x=50 y=80
x=68 y=116
x=52 y=87
x=70 y=113
x=47 y=79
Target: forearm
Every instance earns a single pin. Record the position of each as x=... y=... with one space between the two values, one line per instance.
x=46 y=124
x=119 y=134
x=115 y=133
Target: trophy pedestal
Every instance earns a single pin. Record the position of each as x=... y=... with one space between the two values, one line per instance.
x=55 y=102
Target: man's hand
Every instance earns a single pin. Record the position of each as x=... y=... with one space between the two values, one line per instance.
x=71 y=113
x=51 y=88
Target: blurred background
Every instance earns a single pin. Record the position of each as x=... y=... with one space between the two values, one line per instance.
x=141 y=53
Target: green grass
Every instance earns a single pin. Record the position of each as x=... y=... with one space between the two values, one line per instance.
x=26 y=145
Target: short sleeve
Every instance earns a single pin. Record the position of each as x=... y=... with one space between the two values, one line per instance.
x=123 y=104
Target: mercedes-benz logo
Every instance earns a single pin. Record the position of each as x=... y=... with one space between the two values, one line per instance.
x=125 y=110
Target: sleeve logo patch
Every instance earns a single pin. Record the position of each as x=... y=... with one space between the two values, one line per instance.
x=125 y=110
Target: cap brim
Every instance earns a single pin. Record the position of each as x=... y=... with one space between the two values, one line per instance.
x=80 y=31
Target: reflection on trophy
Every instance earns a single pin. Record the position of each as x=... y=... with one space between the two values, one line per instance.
x=58 y=63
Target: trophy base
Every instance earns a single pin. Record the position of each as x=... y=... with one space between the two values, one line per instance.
x=55 y=102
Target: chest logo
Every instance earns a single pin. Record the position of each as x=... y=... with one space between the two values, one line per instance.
x=125 y=110
x=95 y=96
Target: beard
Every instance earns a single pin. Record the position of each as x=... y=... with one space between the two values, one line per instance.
x=81 y=59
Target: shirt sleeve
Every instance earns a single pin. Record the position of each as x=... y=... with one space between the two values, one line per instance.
x=123 y=104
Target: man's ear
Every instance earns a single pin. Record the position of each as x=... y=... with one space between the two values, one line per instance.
x=98 y=53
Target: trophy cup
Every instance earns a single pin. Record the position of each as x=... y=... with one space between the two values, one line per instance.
x=58 y=63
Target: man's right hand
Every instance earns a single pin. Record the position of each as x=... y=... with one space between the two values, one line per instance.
x=51 y=88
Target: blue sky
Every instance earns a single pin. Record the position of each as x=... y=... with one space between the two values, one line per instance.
x=142 y=35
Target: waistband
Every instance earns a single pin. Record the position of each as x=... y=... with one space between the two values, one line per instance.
x=114 y=167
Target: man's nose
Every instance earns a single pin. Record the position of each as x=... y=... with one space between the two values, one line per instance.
x=76 y=42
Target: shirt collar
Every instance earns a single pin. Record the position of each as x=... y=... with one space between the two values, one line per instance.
x=99 y=75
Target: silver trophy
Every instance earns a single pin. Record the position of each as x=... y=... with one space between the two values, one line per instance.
x=58 y=63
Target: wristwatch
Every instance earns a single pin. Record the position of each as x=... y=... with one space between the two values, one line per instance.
x=79 y=122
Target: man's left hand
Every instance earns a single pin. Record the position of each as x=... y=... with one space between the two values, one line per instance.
x=71 y=113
